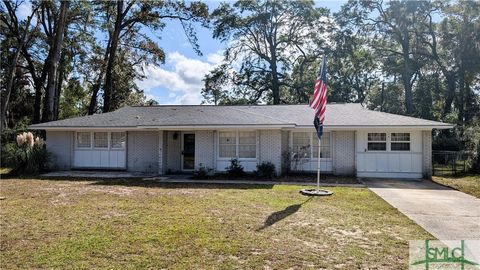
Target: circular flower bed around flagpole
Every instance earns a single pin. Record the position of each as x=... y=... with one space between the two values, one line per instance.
x=315 y=192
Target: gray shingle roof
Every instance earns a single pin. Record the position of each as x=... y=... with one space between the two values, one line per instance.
x=338 y=115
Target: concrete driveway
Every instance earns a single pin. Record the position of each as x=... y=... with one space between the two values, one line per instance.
x=446 y=213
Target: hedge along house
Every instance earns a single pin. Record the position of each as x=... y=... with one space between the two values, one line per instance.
x=171 y=139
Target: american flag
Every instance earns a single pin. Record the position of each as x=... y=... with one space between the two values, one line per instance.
x=319 y=100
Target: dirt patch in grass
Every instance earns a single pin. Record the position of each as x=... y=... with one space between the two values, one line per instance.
x=469 y=184
x=132 y=224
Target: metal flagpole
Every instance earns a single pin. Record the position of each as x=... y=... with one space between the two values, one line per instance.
x=318 y=165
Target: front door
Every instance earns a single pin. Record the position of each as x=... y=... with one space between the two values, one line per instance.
x=188 y=153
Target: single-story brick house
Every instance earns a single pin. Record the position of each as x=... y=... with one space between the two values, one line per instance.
x=174 y=138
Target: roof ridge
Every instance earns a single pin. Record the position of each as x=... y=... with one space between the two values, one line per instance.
x=263 y=115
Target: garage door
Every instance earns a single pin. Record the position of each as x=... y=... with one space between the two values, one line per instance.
x=389 y=154
x=100 y=150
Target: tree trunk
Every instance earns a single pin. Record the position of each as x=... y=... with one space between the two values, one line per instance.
x=111 y=59
x=450 y=94
x=58 y=88
x=49 y=109
x=38 y=85
x=8 y=90
x=406 y=78
x=275 y=86
x=92 y=108
x=462 y=96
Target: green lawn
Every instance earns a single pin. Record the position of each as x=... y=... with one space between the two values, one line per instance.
x=469 y=184
x=138 y=225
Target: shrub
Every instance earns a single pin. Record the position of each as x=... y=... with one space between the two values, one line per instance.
x=235 y=169
x=28 y=156
x=202 y=173
x=471 y=137
x=266 y=170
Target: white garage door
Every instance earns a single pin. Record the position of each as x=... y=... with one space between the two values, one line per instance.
x=389 y=154
x=100 y=149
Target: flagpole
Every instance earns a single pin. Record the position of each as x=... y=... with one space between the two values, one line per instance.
x=318 y=165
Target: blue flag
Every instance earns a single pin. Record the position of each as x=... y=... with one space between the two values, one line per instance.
x=319 y=127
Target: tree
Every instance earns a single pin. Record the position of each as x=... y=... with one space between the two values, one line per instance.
x=124 y=23
x=267 y=37
x=213 y=91
x=14 y=26
x=396 y=32
x=54 y=61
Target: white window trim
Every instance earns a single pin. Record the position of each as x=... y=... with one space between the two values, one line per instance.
x=237 y=138
x=400 y=151
x=388 y=141
x=76 y=141
x=92 y=141
x=312 y=136
x=110 y=141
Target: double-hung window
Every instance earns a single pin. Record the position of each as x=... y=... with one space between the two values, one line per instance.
x=377 y=141
x=237 y=144
x=247 y=144
x=302 y=144
x=400 y=142
x=305 y=145
x=324 y=145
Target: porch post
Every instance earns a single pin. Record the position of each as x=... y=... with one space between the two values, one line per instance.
x=160 y=152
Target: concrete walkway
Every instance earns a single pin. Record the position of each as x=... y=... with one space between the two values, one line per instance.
x=446 y=213
x=97 y=174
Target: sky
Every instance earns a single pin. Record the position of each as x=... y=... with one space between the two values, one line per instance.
x=179 y=80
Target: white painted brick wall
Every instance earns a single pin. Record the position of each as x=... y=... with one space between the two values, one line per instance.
x=160 y=153
x=204 y=149
x=142 y=151
x=60 y=145
x=271 y=148
x=344 y=153
x=427 y=153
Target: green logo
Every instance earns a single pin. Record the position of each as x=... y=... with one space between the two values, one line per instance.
x=444 y=255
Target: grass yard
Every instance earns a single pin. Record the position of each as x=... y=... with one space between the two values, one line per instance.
x=132 y=224
x=469 y=184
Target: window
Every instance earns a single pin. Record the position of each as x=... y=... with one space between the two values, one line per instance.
x=301 y=144
x=305 y=145
x=83 y=140
x=242 y=144
x=227 y=144
x=100 y=139
x=400 y=142
x=117 y=140
x=377 y=142
x=325 y=145
x=247 y=144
